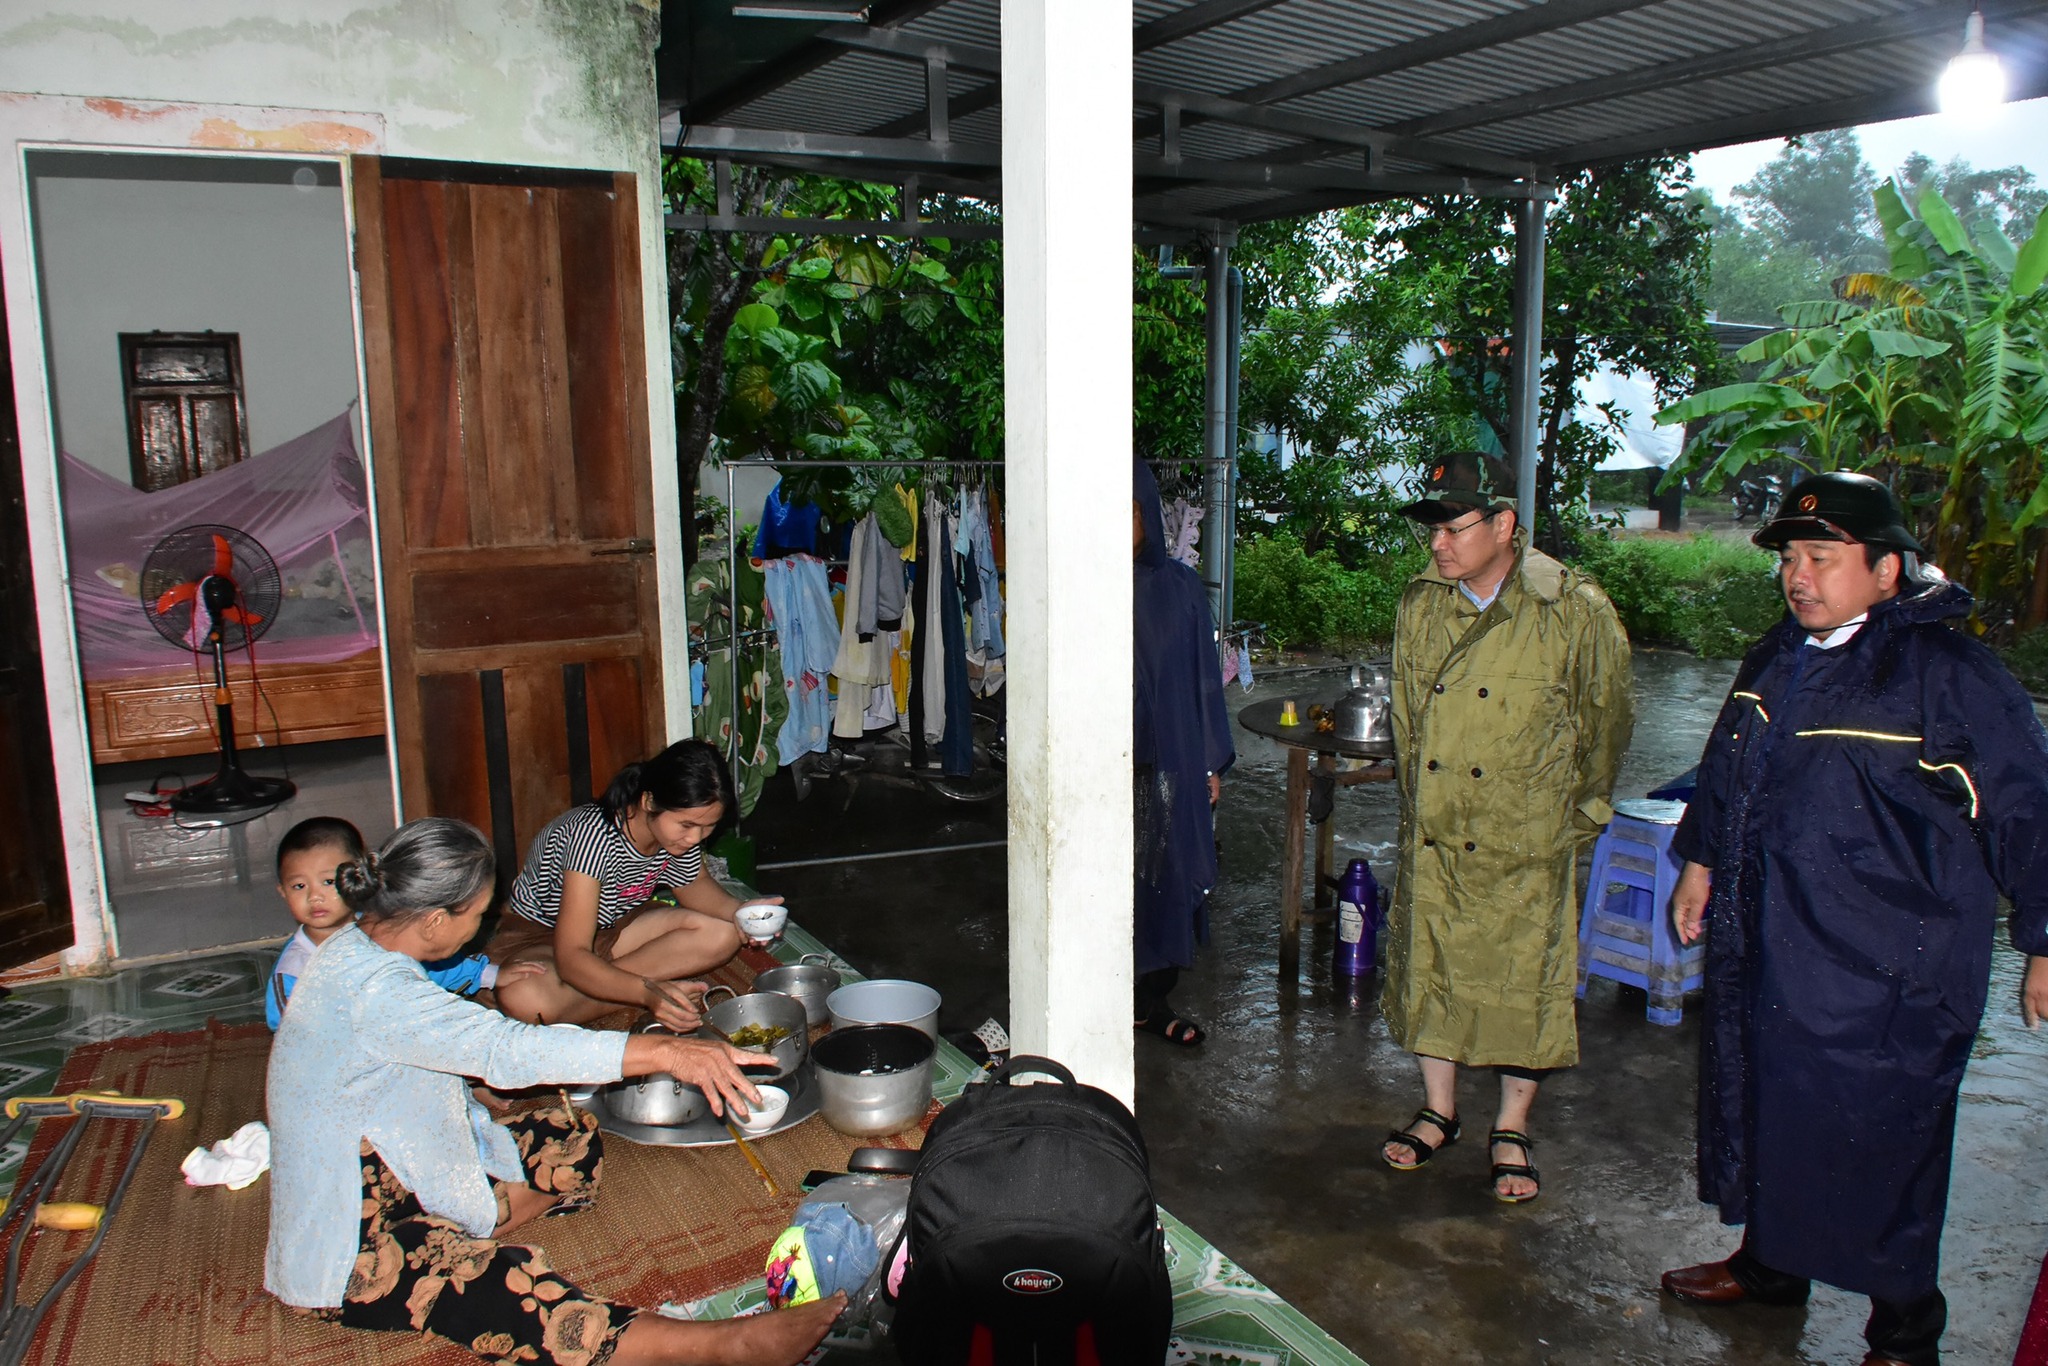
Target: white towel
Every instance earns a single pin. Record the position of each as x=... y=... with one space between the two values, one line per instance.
x=235 y=1162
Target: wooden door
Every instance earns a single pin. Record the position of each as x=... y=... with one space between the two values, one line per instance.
x=35 y=894
x=508 y=415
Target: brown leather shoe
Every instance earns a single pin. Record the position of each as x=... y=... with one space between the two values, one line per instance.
x=1712 y=1283
x=1707 y=1283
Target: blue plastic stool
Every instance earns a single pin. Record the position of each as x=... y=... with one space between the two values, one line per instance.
x=1625 y=930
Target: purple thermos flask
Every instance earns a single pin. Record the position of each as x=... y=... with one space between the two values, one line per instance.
x=1358 y=906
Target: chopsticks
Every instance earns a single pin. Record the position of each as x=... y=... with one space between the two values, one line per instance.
x=753 y=1160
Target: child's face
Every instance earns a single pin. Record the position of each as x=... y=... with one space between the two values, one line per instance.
x=306 y=882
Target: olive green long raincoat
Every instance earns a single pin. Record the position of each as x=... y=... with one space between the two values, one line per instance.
x=1509 y=727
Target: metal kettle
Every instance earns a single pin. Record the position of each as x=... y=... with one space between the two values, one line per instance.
x=1362 y=714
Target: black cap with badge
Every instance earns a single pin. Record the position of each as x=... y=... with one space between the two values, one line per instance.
x=1454 y=484
x=1839 y=506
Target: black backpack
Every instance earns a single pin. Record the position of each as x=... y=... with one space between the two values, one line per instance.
x=1033 y=1236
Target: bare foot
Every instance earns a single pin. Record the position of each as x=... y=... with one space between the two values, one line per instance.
x=781 y=1338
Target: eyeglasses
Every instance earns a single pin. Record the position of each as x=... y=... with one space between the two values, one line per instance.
x=1427 y=532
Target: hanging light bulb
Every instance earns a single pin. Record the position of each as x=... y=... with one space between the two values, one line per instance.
x=1973 y=86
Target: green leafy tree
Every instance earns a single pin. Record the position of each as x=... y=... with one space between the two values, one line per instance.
x=1930 y=374
x=2006 y=195
x=1815 y=198
x=1753 y=276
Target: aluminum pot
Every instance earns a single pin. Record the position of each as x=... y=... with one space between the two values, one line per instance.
x=886 y=1001
x=656 y=1098
x=771 y=1010
x=874 y=1079
x=810 y=982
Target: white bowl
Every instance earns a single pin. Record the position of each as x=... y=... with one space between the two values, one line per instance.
x=761 y=922
x=765 y=1116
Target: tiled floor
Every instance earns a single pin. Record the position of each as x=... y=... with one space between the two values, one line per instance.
x=178 y=887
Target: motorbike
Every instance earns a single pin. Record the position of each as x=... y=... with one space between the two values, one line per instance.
x=1757 y=499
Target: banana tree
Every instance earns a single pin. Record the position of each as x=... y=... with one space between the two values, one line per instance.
x=1932 y=371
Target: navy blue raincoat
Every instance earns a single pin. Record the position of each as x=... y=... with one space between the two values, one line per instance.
x=1861 y=808
x=1180 y=734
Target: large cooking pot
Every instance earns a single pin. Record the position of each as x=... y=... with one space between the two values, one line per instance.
x=810 y=982
x=771 y=1010
x=656 y=1098
x=873 y=1079
x=886 y=1001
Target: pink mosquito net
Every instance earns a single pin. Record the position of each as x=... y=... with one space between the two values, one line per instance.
x=303 y=500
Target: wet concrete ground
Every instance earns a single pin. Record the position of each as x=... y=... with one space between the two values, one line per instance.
x=1266 y=1138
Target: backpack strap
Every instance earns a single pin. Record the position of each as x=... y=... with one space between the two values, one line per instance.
x=1026 y=1064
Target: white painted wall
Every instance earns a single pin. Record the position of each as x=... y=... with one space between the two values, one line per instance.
x=538 y=82
x=267 y=261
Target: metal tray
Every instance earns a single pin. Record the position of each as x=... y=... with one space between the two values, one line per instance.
x=708 y=1131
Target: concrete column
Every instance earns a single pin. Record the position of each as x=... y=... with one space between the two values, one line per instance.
x=1067 y=413
x=1526 y=380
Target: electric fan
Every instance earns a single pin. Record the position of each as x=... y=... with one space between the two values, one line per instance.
x=216 y=589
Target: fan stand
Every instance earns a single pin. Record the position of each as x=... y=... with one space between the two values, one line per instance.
x=229 y=789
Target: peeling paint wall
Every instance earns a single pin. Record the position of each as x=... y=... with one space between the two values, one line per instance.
x=548 y=82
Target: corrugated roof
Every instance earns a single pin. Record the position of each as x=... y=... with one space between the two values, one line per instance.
x=1278 y=95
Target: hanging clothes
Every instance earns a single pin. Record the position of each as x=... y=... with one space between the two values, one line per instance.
x=807 y=630
x=985 y=648
x=761 y=708
x=940 y=713
x=862 y=662
x=786 y=528
x=1183 y=527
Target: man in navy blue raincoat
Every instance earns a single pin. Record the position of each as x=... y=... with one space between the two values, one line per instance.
x=1876 y=779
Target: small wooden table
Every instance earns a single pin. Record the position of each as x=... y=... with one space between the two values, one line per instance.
x=1302 y=741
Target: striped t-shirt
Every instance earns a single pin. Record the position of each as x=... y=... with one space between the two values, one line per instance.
x=586 y=840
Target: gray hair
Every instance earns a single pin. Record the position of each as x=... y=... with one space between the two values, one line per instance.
x=427 y=865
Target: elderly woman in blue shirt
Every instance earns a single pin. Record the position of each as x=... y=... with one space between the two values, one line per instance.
x=391 y=1186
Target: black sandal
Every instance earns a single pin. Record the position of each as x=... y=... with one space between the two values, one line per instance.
x=1500 y=1169
x=1423 y=1151
x=1172 y=1028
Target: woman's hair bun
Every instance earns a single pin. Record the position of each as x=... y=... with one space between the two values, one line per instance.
x=359 y=879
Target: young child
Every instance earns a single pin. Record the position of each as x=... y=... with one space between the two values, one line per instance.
x=306 y=859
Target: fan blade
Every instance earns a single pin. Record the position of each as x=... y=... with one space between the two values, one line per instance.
x=183 y=594
x=223 y=557
x=242 y=618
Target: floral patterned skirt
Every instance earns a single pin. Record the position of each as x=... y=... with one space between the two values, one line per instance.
x=418 y=1272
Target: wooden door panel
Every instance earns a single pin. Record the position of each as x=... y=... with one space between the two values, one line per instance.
x=503 y=342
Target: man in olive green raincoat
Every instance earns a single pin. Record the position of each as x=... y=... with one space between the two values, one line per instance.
x=1512 y=708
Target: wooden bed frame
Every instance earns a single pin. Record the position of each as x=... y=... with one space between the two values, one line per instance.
x=169 y=714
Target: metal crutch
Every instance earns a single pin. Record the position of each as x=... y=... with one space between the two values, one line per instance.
x=33 y=1209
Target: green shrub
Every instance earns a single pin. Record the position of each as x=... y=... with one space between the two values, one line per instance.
x=1306 y=599
x=2027 y=657
x=1708 y=595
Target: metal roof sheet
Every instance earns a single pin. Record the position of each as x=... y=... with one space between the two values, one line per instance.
x=1279 y=98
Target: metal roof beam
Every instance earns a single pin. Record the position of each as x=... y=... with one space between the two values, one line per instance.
x=1739 y=61
x=1186 y=23
x=973 y=102
x=1775 y=123
x=1435 y=47
x=885 y=15
x=1259 y=175
x=832 y=227
x=912 y=47
x=717 y=140
x=1238 y=113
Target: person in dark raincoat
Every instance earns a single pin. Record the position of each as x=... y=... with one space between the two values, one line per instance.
x=1180 y=749
x=1876 y=778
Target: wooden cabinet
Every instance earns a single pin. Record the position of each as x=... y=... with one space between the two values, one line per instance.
x=186 y=414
